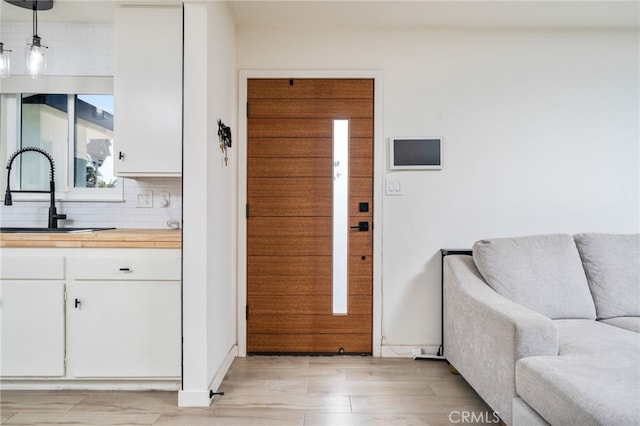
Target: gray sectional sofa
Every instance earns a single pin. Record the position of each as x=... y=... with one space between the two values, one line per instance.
x=547 y=328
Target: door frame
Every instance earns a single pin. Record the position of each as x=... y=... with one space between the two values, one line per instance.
x=378 y=176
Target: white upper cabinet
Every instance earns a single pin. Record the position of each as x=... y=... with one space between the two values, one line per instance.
x=148 y=91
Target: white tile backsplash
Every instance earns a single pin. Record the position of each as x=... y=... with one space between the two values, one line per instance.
x=74 y=48
x=106 y=214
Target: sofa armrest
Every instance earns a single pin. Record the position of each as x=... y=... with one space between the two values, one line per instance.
x=485 y=334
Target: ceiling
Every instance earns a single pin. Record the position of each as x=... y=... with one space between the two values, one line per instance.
x=375 y=13
x=452 y=13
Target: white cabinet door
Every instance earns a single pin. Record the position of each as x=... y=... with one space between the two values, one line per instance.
x=148 y=91
x=32 y=328
x=124 y=329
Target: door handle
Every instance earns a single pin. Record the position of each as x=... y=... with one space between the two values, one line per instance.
x=361 y=226
x=77 y=303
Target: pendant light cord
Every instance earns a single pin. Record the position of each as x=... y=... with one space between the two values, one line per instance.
x=35 y=19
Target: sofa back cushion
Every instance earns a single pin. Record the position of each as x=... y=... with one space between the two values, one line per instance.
x=542 y=272
x=612 y=265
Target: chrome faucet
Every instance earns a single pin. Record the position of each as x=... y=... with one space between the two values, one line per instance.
x=53 y=214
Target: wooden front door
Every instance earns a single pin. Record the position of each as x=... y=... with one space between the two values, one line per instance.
x=291 y=174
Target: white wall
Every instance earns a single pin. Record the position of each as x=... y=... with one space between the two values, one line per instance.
x=541 y=135
x=221 y=234
x=209 y=260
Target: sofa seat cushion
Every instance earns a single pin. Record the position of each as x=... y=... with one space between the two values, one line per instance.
x=628 y=323
x=595 y=379
x=612 y=266
x=542 y=272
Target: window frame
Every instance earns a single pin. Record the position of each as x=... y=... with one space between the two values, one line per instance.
x=10 y=116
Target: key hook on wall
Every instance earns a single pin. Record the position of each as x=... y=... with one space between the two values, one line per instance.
x=224 y=133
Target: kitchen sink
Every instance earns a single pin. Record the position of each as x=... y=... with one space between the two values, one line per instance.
x=16 y=230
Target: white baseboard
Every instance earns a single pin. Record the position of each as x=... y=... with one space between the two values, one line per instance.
x=406 y=351
x=434 y=357
x=224 y=368
x=193 y=398
x=200 y=398
x=88 y=384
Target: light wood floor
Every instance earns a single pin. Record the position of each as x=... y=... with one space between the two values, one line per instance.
x=326 y=391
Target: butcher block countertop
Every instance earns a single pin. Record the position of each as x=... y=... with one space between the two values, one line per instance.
x=112 y=238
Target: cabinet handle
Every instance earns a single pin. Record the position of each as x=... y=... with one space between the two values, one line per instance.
x=125 y=269
x=77 y=304
x=121 y=155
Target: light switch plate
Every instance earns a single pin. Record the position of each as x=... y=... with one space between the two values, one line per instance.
x=145 y=199
x=393 y=187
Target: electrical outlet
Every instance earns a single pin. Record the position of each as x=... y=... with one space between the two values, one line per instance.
x=165 y=199
x=145 y=199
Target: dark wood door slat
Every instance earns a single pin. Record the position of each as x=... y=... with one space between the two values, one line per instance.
x=290 y=226
x=282 y=147
x=319 y=147
x=359 y=304
x=309 y=89
x=288 y=167
x=310 y=108
x=307 y=285
x=361 y=188
x=290 y=206
x=309 y=343
x=294 y=266
x=291 y=246
x=311 y=324
x=290 y=186
x=305 y=127
x=359 y=265
x=361 y=147
x=361 y=167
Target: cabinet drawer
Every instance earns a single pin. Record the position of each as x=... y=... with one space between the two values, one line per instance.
x=160 y=266
x=31 y=267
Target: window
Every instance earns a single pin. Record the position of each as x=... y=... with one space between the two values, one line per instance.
x=43 y=124
x=340 y=215
x=93 y=165
x=77 y=130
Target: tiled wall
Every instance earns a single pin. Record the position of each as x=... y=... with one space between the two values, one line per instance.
x=73 y=48
x=106 y=214
x=85 y=49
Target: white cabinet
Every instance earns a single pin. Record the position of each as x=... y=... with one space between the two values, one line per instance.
x=123 y=314
x=148 y=91
x=121 y=319
x=32 y=316
x=124 y=329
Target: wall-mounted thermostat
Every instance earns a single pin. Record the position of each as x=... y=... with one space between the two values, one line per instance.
x=415 y=153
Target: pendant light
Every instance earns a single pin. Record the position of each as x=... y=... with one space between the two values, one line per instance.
x=35 y=59
x=5 y=61
x=36 y=63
